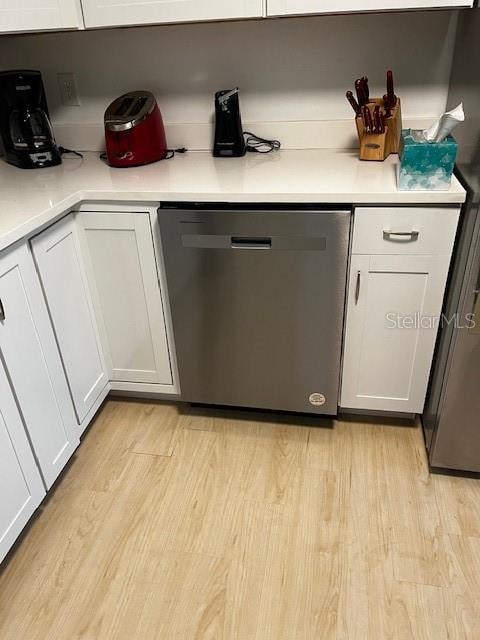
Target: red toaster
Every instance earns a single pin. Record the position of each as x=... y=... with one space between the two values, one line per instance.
x=134 y=131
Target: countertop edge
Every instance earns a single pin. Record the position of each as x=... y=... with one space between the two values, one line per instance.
x=48 y=216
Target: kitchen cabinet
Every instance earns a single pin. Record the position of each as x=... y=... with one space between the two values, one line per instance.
x=39 y=15
x=60 y=265
x=31 y=358
x=394 y=302
x=122 y=269
x=21 y=487
x=304 y=7
x=107 y=13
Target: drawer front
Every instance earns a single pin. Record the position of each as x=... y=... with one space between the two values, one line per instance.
x=405 y=230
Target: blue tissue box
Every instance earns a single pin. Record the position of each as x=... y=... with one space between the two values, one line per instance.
x=425 y=166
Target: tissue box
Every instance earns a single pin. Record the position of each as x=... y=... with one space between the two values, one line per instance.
x=425 y=166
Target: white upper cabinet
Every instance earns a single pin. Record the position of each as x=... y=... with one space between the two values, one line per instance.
x=21 y=487
x=39 y=15
x=30 y=354
x=121 y=265
x=60 y=265
x=305 y=7
x=106 y=13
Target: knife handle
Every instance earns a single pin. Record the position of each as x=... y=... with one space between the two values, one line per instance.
x=365 y=119
x=366 y=89
x=354 y=104
x=386 y=104
x=360 y=92
x=377 y=122
x=392 y=98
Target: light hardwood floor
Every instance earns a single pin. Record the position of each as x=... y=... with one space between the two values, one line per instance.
x=179 y=523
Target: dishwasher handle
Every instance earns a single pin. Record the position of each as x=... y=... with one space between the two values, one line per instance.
x=240 y=242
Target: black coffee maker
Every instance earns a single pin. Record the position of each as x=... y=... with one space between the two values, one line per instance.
x=25 y=129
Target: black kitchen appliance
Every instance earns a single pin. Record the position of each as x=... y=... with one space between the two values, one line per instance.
x=229 y=140
x=25 y=129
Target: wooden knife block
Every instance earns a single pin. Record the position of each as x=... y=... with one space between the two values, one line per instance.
x=378 y=146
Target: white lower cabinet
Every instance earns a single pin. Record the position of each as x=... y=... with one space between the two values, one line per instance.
x=392 y=319
x=31 y=358
x=60 y=265
x=21 y=487
x=121 y=266
x=394 y=305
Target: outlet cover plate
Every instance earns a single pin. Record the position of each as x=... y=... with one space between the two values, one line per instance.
x=67 y=85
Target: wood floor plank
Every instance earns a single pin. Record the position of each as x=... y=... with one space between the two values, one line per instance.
x=196 y=523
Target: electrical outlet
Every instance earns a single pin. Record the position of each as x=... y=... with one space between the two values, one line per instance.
x=68 y=89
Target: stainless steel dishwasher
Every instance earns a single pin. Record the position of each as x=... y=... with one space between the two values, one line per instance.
x=257 y=299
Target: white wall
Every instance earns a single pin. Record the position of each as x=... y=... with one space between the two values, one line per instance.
x=290 y=71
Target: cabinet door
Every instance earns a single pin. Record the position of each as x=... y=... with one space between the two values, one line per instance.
x=394 y=304
x=302 y=7
x=39 y=15
x=31 y=357
x=58 y=257
x=104 y=13
x=21 y=487
x=123 y=274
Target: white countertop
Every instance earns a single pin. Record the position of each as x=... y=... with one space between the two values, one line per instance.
x=29 y=200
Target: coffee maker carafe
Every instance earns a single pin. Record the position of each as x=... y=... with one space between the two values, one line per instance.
x=25 y=129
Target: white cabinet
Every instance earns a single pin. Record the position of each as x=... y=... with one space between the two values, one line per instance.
x=39 y=15
x=392 y=319
x=393 y=306
x=60 y=265
x=104 y=13
x=121 y=265
x=21 y=487
x=31 y=358
x=304 y=7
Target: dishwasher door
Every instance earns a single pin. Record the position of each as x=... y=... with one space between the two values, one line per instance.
x=257 y=301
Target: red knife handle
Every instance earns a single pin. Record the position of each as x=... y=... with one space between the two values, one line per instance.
x=386 y=106
x=361 y=97
x=354 y=104
x=392 y=98
x=367 y=119
x=377 y=122
x=366 y=89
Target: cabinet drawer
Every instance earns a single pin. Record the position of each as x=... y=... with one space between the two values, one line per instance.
x=404 y=230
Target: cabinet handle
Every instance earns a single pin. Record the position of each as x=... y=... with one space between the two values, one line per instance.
x=357 y=288
x=2 y=311
x=408 y=236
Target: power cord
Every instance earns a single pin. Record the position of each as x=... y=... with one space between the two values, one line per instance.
x=64 y=150
x=257 y=144
x=172 y=152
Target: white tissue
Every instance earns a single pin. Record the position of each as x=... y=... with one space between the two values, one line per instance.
x=445 y=125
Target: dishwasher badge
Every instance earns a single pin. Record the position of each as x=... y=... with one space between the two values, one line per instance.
x=317 y=399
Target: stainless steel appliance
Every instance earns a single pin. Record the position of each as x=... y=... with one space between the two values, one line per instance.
x=257 y=298
x=452 y=414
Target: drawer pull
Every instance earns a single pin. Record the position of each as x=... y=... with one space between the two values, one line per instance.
x=2 y=311
x=401 y=236
x=357 y=288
